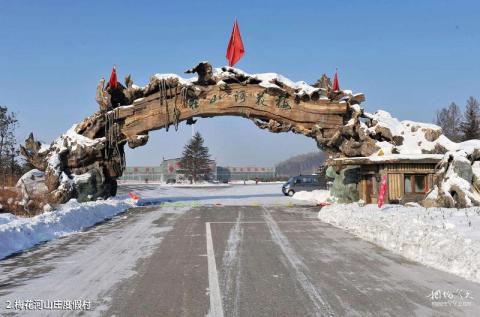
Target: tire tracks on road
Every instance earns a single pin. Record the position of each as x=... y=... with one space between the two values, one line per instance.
x=299 y=269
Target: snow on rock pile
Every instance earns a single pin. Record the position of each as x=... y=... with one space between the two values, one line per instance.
x=406 y=137
x=33 y=183
x=18 y=233
x=266 y=80
x=55 y=176
x=446 y=239
x=410 y=137
x=181 y=80
x=273 y=81
x=69 y=141
x=458 y=182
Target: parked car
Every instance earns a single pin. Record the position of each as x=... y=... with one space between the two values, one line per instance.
x=301 y=183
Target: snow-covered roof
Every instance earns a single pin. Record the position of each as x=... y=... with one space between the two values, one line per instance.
x=387 y=159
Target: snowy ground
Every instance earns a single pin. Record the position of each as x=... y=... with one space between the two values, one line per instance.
x=447 y=239
x=18 y=233
x=85 y=265
x=444 y=238
x=251 y=182
x=239 y=195
x=273 y=257
x=199 y=184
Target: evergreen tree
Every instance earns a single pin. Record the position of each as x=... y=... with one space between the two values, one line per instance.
x=470 y=126
x=450 y=119
x=195 y=161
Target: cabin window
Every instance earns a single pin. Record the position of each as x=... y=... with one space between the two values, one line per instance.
x=415 y=184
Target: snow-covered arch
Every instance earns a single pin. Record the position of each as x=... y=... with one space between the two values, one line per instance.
x=90 y=156
x=86 y=161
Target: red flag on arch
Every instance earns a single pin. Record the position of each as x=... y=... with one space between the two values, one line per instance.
x=336 y=85
x=235 y=48
x=113 y=78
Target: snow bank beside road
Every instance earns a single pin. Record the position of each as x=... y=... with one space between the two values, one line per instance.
x=443 y=238
x=17 y=233
x=317 y=196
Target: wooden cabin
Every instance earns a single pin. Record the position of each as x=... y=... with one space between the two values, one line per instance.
x=409 y=177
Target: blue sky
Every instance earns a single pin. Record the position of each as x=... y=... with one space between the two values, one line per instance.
x=408 y=57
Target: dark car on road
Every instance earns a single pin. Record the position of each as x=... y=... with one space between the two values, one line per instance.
x=302 y=183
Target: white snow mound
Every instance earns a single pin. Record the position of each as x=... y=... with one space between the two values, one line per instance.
x=446 y=239
x=317 y=196
x=414 y=134
x=18 y=233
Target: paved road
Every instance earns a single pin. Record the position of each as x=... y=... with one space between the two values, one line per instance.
x=227 y=261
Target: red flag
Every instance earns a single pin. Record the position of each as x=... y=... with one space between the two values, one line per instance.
x=383 y=190
x=113 y=78
x=235 y=48
x=336 y=85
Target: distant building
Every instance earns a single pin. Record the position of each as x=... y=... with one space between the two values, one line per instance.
x=170 y=171
x=142 y=173
x=230 y=173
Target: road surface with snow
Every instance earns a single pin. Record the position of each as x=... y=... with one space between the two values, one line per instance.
x=227 y=251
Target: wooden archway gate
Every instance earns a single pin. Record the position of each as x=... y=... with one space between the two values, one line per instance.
x=85 y=162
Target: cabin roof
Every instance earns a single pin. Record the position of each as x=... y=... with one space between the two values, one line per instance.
x=386 y=159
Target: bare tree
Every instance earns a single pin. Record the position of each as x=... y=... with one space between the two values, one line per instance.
x=470 y=126
x=450 y=119
x=8 y=152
